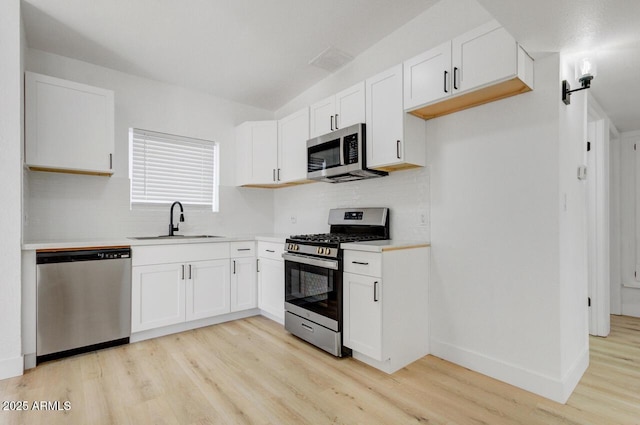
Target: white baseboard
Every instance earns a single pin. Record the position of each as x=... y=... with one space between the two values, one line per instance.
x=272 y=317
x=546 y=386
x=29 y=361
x=11 y=367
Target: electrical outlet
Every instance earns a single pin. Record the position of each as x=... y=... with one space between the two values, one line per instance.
x=293 y=219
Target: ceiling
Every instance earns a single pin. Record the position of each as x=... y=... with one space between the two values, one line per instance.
x=610 y=29
x=258 y=52
x=251 y=51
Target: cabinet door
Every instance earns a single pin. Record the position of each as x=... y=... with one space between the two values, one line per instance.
x=483 y=55
x=263 y=142
x=271 y=287
x=157 y=296
x=244 y=288
x=322 y=116
x=427 y=77
x=207 y=289
x=68 y=126
x=385 y=118
x=362 y=298
x=350 y=106
x=293 y=133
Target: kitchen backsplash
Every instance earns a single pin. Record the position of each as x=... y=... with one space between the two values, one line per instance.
x=67 y=207
x=305 y=208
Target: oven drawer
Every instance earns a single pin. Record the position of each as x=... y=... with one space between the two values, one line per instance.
x=242 y=249
x=270 y=250
x=364 y=263
x=317 y=335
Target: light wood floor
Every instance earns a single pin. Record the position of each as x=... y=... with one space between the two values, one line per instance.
x=252 y=371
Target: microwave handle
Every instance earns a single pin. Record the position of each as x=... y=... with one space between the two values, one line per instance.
x=342 y=151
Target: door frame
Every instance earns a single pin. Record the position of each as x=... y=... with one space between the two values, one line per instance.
x=598 y=219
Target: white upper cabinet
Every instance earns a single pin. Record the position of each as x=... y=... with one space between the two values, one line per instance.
x=272 y=153
x=257 y=152
x=338 y=111
x=395 y=140
x=480 y=66
x=481 y=56
x=69 y=126
x=350 y=106
x=293 y=133
x=422 y=73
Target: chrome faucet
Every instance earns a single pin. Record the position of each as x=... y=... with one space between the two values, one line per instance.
x=173 y=228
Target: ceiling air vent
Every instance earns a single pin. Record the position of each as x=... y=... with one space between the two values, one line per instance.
x=331 y=59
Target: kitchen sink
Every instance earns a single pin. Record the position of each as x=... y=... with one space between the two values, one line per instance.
x=142 y=238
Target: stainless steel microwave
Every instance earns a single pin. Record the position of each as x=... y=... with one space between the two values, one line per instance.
x=339 y=156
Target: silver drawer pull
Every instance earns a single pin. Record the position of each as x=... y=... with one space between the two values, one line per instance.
x=269 y=250
x=361 y=263
x=244 y=249
x=307 y=327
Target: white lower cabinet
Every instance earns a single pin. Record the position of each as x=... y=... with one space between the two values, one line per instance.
x=385 y=305
x=363 y=325
x=271 y=280
x=172 y=284
x=207 y=289
x=157 y=296
x=244 y=291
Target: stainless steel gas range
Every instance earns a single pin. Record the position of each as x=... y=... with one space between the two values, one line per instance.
x=313 y=275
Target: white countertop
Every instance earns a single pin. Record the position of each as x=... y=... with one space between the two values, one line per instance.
x=97 y=242
x=384 y=245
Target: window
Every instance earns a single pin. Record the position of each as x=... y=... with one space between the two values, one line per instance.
x=164 y=168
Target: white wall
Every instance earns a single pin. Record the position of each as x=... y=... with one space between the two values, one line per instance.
x=573 y=248
x=67 y=206
x=11 y=175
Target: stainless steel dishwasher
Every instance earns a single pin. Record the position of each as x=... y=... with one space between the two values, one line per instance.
x=83 y=300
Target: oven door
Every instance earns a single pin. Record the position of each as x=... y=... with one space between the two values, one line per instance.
x=313 y=289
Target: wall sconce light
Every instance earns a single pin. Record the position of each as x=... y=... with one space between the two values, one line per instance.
x=585 y=70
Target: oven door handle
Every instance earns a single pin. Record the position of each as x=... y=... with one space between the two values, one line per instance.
x=319 y=262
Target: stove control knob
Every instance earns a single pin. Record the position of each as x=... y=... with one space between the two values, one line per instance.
x=290 y=247
x=327 y=251
x=320 y=251
x=296 y=248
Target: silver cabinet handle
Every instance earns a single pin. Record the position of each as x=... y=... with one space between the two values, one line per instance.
x=234 y=266
x=189 y=271
x=375 y=291
x=243 y=249
x=278 y=174
x=359 y=262
x=257 y=265
x=111 y=161
x=398 y=149
x=331 y=119
x=182 y=275
x=274 y=174
x=307 y=327
x=337 y=122
x=270 y=250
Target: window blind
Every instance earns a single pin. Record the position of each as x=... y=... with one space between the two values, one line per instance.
x=166 y=168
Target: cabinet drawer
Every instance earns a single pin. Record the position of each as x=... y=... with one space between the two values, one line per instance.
x=178 y=253
x=270 y=250
x=242 y=249
x=365 y=263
